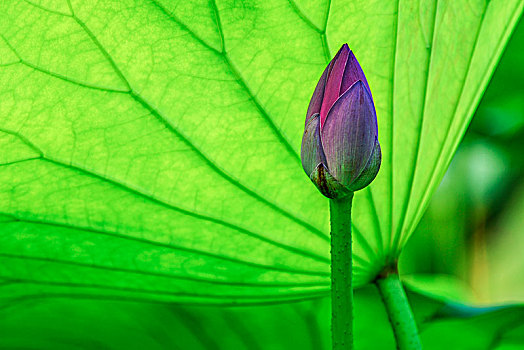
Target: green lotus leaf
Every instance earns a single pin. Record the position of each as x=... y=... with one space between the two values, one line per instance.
x=150 y=148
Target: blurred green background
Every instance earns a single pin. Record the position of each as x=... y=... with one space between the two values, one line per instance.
x=472 y=234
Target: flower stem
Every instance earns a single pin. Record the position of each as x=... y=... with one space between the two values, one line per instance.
x=399 y=312
x=341 y=273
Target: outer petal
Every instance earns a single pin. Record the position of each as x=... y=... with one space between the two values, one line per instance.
x=332 y=90
x=352 y=74
x=311 y=152
x=370 y=170
x=318 y=95
x=349 y=134
x=327 y=184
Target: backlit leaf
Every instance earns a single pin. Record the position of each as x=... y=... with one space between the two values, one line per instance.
x=150 y=147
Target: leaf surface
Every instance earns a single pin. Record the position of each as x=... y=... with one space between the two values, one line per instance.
x=150 y=148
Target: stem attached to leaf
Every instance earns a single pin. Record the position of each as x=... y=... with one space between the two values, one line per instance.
x=341 y=273
x=398 y=310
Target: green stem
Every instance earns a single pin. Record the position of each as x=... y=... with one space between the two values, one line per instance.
x=399 y=311
x=341 y=274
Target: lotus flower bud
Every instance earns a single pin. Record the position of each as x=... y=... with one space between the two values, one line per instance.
x=340 y=150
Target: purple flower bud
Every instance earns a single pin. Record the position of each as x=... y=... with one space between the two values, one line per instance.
x=340 y=149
